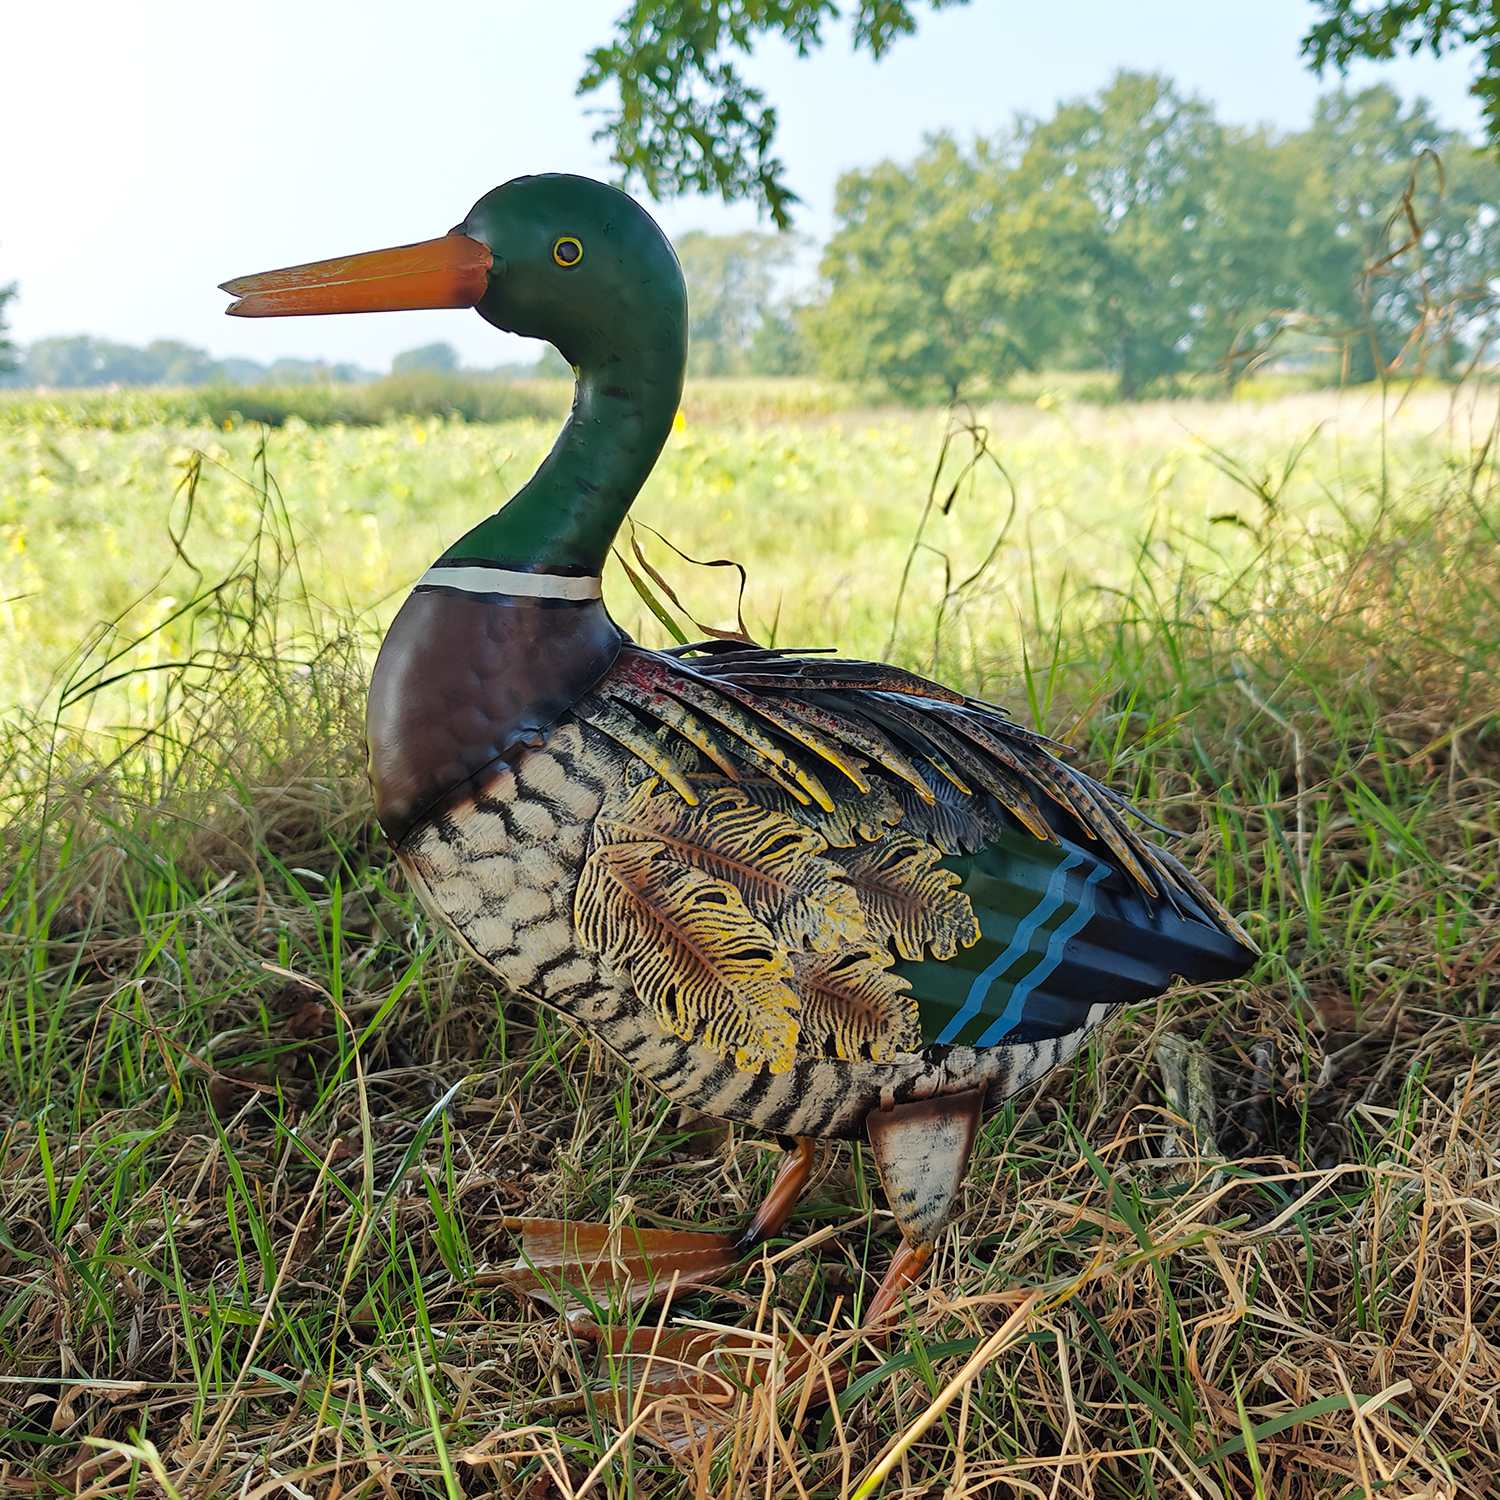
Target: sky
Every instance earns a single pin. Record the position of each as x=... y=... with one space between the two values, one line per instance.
x=155 y=150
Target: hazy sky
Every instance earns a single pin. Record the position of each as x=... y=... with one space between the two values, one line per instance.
x=155 y=149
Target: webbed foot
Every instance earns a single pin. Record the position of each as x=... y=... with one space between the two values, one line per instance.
x=565 y=1264
x=628 y=1266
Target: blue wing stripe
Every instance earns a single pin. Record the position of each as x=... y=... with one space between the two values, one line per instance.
x=973 y=1003
x=1016 y=1004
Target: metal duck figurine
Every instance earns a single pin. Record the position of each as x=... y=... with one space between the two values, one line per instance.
x=824 y=898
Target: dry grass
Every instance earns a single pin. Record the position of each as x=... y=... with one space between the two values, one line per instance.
x=259 y=1128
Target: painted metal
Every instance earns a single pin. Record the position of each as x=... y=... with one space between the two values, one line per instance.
x=823 y=897
x=922 y=1151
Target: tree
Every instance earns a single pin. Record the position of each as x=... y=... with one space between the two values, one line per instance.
x=74 y=360
x=80 y=360
x=1129 y=229
x=1144 y=157
x=733 y=294
x=903 y=236
x=1350 y=30
x=1203 y=239
x=8 y=360
x=171 y=362
x=438 y=359
x=686 y=121
x=1264 y=251
x=312 y=372
x=1415 y=210
x=780 y=344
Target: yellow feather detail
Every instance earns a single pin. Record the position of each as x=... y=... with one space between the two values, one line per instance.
x=861 y=736
x=693 y=952
x=677 y=716
x=856 y=1004
x=854 y=819
x=759 y=747
x=1103 y=824
x=773 y=861
x=792 y=725
x=909 y=899
x=623 y=730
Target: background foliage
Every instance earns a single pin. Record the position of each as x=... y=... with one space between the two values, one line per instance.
x=1132 y=231
x=683 y=119
x=7 y=348
x=1353 y=29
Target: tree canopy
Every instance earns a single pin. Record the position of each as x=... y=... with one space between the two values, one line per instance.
x=7 y=349
x=436 y=359
x=685 y=120
x=895 y=309
x=1415 y=214
x=742 y=320
x=1133 y=231
x=1350 y=29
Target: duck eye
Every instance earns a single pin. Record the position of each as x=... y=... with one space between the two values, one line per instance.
x=568 y=251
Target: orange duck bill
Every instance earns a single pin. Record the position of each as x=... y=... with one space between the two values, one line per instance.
x=452 y=271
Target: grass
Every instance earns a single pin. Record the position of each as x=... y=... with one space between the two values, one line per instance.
x=819 y=506
x=464 y=398
x=259 y=1126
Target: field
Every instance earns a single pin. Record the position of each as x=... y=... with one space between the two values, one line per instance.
x=259 y=1126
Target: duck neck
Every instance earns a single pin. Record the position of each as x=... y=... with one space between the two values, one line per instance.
x=624 y=403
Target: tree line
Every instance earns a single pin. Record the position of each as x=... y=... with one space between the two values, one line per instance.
x=82 y=360
x=1130 y=231
x=74 y=361
x=8 y=359
x=1133 y=231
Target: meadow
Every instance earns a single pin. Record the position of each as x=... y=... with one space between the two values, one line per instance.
x=260 y=1126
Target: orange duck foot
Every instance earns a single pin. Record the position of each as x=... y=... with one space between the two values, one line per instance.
x=569 y=1265
x=682 y=1387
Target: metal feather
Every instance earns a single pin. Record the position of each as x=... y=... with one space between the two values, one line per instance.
x=804 y=901
x=855 y=1006
x=908 y=898
x=692 y=951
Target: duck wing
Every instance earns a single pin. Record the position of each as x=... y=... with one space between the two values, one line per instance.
x=894 y=866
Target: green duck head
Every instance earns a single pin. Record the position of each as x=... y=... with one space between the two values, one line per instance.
x=574 y=260
x=555 y=257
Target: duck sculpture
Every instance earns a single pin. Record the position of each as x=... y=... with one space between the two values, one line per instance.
x=824 y=898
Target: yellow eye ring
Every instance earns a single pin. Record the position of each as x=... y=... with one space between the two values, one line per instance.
x=568 y=251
